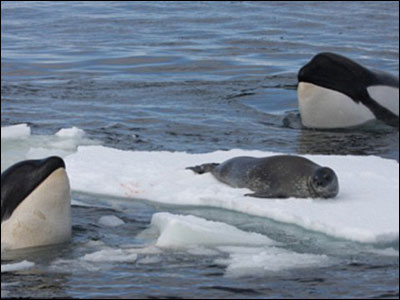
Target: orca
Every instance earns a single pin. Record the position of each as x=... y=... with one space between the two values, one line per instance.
x=35 y=204
x=335 y=92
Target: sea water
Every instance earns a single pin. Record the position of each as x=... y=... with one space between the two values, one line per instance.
x=130 y=93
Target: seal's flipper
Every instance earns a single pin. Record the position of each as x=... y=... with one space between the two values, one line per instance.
x=205 y=168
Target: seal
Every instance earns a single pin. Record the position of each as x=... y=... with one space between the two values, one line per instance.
x=35 y=204
x=280 y=176
x=336 y=92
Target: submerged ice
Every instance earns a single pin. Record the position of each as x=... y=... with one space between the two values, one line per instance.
x=248 y=253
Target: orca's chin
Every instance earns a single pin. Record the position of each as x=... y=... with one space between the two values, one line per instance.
x=323 y=108
x=43 y=217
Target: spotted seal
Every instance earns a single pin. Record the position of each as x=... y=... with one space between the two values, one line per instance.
x=280 y=176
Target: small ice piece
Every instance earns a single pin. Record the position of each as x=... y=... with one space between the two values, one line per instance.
x=251 y=261
x=177 y=231
x=111 y=255
x=110 y=221
x=73 y=132
x=20 y=266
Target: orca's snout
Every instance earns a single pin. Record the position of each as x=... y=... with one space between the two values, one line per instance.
x=302 y=73
x=52 y=163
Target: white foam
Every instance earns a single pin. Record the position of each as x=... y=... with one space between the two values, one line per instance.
x=178 y=231
x=199 y=250
x=150 y=260
x=384 y=252
x=366 y=209
x=111 y=255
x=110 y=221
x=20 y=266
x=104 y=257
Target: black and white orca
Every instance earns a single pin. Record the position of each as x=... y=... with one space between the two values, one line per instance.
x=336 y=92
x=35 y=204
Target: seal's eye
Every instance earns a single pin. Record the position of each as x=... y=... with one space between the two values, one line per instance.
x=327 y=177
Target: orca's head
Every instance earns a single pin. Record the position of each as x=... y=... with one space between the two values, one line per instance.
x=336 y=92
x=337 y=73
x=35 y=204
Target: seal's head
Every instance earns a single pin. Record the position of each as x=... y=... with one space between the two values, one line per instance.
x=324 y=183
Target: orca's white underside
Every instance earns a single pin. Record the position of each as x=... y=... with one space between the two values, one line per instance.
x=325 y=108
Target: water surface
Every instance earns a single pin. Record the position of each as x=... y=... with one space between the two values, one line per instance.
x=195 y=77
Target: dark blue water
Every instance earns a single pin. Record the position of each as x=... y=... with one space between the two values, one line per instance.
x=196 y=77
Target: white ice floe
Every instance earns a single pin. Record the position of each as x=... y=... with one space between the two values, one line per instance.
x=15 y=131
x=366 y=209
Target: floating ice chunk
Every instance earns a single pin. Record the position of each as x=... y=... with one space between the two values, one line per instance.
x=110 y=221
x=73 y=132
x=178 y=231
x=15 y=131
x=69 y=138
x=111 y=255
x=366 y=209
x=20 y=266
x=244 y=261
